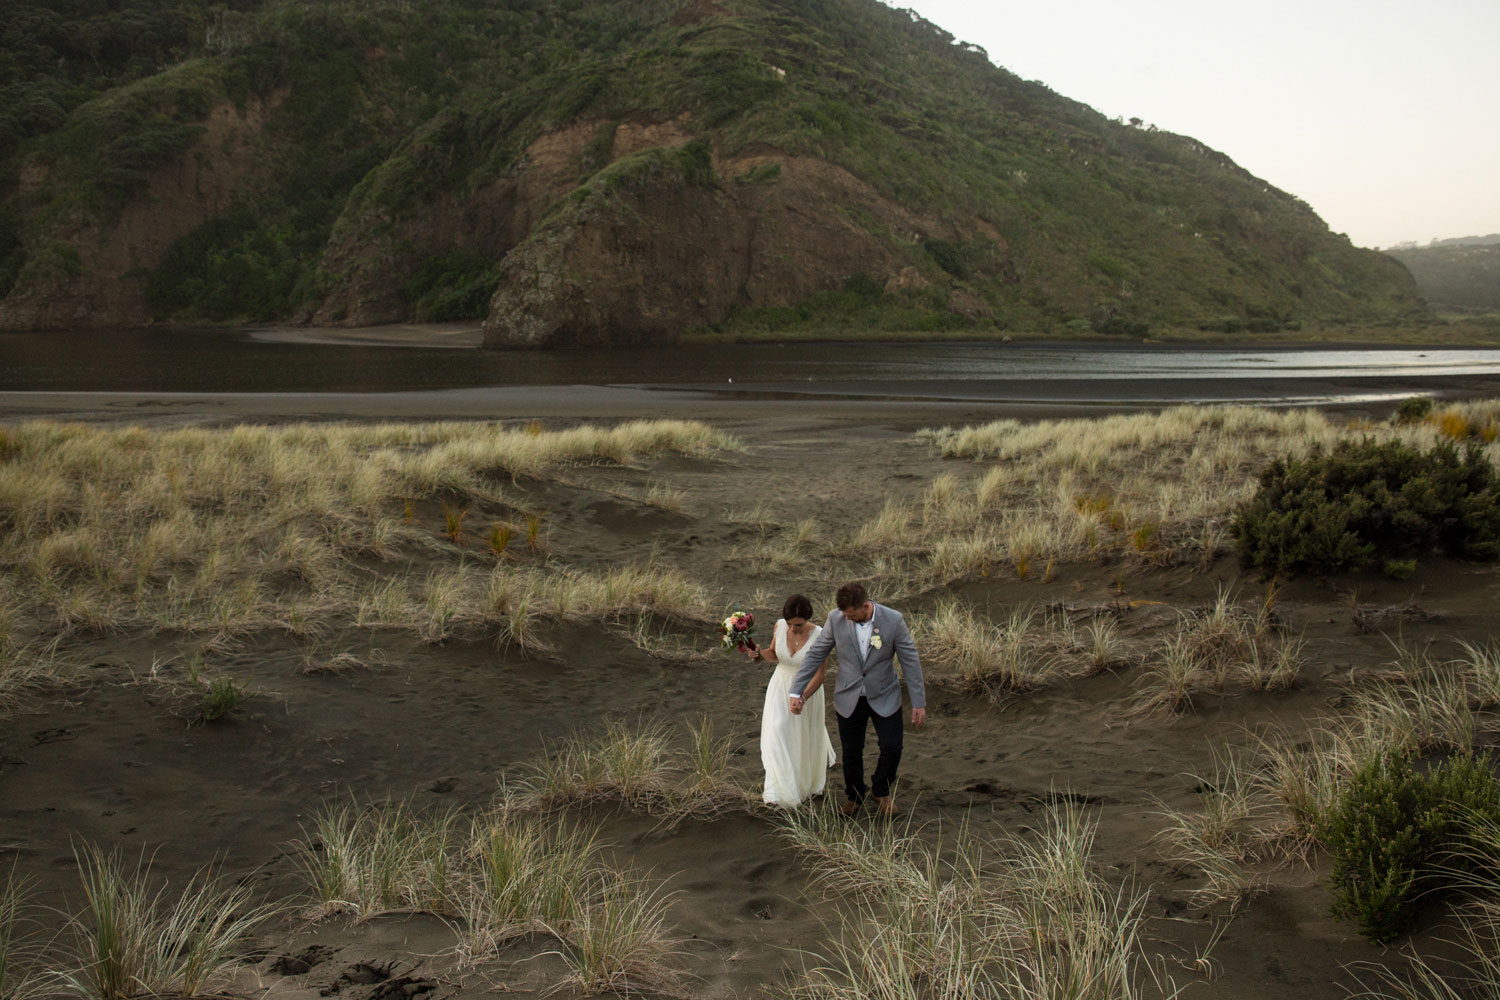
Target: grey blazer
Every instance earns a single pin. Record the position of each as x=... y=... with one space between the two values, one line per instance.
x=873 y=676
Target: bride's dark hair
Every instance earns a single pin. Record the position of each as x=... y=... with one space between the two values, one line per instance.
x=796 y=606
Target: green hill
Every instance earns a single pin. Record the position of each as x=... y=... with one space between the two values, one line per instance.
x=592 y=171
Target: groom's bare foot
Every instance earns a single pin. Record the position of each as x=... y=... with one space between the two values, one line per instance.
x=885 y=805
x=849 y=808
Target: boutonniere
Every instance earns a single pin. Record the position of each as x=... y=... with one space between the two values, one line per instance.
x=875 y=639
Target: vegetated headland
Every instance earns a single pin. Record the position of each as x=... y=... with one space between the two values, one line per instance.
x=598 y=173
x=1458 y=275
x=438 y=708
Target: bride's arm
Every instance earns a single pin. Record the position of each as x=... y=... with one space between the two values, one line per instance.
x=763 y=652
x=816 y=682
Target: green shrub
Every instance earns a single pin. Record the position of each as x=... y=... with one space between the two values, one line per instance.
x=1222 y=324
x=1119 y=326
x=454 y=285
x=222 y=695
x=12 y=257
x=1395 y=833
x=766 y=173
x=1366 y=503
x=232 y=266
x=1413 y=410
x=1399 y=569
x=950 y=257
x=864 y=287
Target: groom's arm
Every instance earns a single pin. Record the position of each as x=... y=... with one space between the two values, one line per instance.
x=817 y=652
x=911 y=670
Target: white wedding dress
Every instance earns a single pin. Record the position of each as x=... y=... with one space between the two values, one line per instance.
x=795 y=749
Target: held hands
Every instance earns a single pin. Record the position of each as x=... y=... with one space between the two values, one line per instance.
x=796 y=705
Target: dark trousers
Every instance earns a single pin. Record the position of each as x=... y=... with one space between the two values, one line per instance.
x=888 y=732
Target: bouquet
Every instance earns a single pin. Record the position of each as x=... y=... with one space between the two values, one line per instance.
x=736 y=629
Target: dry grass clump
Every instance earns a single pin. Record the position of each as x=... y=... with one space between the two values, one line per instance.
x=231 y=531
x=1477 y=420
x=135 y=939
x=1025 y=917
x=1033 y=647
x=508 y=600
x=381 y=860
x=778 y=548
x=132 y=937
x=24 y=665
x=19 y=951
x=1422 y=704
x=1305 y=779
x=1215 y=843
x=1481 y=668
x=643 y=769
x=504 y=876
x=1215 y=647
x=981 y=657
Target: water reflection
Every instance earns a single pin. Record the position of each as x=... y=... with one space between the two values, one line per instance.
x=220 y=361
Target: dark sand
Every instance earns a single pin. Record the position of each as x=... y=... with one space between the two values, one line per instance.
x=112 y=762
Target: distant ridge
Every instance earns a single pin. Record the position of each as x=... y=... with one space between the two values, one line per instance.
x=596 y=172
x=1459 y=241
x=1457 y=274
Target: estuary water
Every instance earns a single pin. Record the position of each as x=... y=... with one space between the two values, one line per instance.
x=218 y=361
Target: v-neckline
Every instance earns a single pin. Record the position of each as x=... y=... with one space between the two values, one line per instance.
x=786 y=637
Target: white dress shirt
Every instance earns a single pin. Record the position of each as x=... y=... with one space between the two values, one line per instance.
x=864 y=630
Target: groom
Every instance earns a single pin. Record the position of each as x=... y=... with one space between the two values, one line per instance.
x=868 y=636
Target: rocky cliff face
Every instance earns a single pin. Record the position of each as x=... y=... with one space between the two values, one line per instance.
x=95 y=274
x=656 y=256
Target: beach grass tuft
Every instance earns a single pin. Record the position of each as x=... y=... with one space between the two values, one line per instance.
x=930 y=915
x=134 y=939
x=20 y=977
x=503 y=875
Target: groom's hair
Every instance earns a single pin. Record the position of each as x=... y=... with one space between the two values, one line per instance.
x=796 y=606
x=852 y=595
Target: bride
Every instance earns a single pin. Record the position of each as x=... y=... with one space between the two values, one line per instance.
x=795 y=749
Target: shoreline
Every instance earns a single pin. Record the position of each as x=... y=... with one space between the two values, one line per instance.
x=469 y=336
x=853 y=402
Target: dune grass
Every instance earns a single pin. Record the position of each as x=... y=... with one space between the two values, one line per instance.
x=19 y=949
x=1027 y=651
x=382 y=860
x=303 y=528
x=1215 y=648
x=133 y=938
x=1020 y=917
x=521 y=866
x=1214 y=843
x=501 y=875
x=23 y=666
x=1151 y=488
x=641 y=768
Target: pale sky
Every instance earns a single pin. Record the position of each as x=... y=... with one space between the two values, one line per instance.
x=1383 y=115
